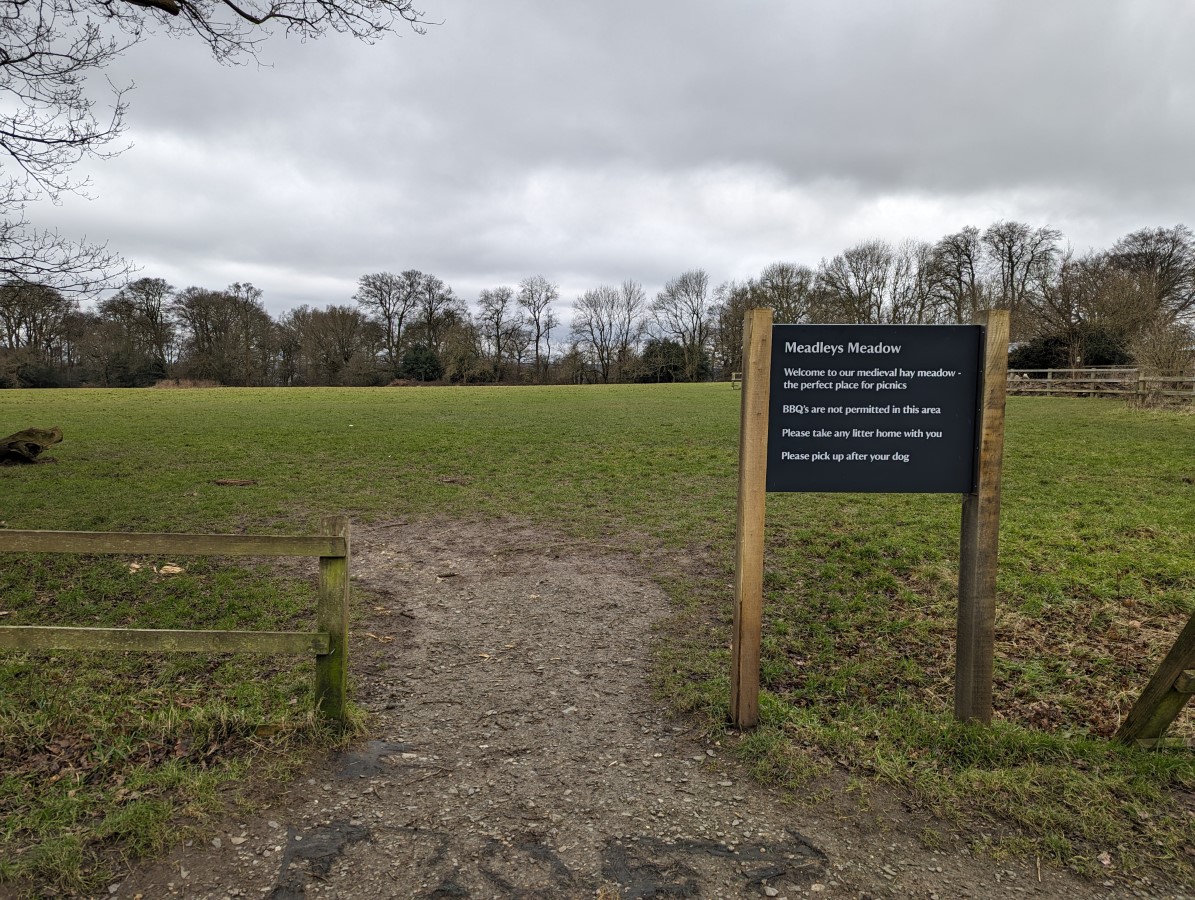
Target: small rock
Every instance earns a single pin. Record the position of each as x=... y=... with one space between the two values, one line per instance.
x=216 y=843
x=237 y=841
x=769 y=891
x=113 y=888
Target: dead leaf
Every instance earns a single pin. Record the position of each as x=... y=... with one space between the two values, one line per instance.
x=170 y=570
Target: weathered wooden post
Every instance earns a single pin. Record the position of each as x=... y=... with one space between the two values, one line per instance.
x=1170 y=689
x=980 y=540
x=749 y=541
x=332 y=668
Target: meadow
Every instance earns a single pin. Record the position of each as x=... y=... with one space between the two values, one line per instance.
x=1097 y=577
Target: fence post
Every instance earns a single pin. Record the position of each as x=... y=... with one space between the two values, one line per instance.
x=1049 y=382
x=979 y=542
x=332 y=668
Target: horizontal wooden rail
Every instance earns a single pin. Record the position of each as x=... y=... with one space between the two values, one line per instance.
x=38 y=637
x=1095 y=381
x=329 y=644
x=133 y=543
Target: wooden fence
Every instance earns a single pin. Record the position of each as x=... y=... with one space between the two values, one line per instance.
x=329 y=643
x=1099 y=381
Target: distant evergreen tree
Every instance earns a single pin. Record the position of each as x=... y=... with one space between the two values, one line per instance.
x=422 y=363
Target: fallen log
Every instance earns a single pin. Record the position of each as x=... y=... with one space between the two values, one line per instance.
x=26 y=446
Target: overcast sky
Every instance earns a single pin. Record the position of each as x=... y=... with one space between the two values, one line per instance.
x=594 y=142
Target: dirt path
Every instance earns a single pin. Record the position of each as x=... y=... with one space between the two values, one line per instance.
x=518 y=753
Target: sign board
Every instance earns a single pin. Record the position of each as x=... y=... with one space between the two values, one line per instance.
x=874 y=408
x=884 y=408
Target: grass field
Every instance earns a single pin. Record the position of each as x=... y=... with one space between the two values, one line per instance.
x=1097 y=576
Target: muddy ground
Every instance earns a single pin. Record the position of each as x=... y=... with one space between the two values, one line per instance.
x=517 y=752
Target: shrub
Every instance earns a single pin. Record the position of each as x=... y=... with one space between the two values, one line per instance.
x=422 y=363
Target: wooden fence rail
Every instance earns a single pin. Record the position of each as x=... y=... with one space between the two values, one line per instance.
x=1099 y=381
x=329 y=643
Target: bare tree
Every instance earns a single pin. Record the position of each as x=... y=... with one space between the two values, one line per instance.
x=630 y=323
x=1165 y=348
x=497 y=319
x=788 y=289
x=733 y=300
x=536 y=296
x=958 y=259
x=1167 y=256
x=206 y=320
x=227 y=334
x=856 y=282
x=608 y=324
x=292 y=364
x=683 y=311
x=40 y=333
x=341 y=343
x=438 y=310
x=1021 y=258
x=517 y=343
x=32 y=317
x=917 y=286
x=390 y=300
x=51 y=117
x=44 y=257
x=595 y=328
x=143 y=306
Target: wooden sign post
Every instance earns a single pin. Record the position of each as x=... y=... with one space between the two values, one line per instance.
x=748 y=567
x=873 y=408
x=979 y=543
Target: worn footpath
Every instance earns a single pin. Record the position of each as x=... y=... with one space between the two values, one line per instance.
x=517 y=752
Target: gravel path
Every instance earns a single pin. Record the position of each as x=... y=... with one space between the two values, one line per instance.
x=518 y=752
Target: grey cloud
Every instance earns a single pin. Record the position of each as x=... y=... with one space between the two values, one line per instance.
x=596 y=142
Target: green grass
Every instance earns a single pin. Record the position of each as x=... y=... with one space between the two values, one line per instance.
x=1097 y=572
x=97 y=752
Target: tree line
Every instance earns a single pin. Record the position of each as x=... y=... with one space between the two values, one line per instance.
x=1132 y=302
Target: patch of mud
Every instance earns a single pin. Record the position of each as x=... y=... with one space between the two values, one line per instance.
x=310 y=856
x=369 y=759
x=518 y=752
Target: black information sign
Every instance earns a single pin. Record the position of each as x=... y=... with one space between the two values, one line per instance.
x=874 y=408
